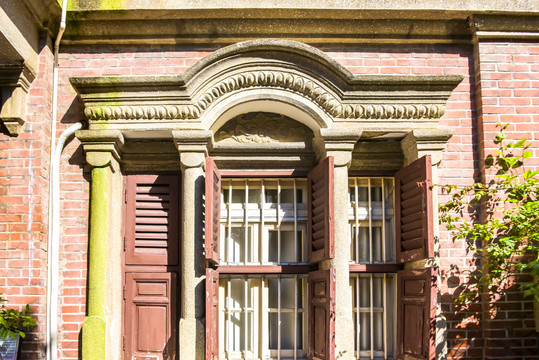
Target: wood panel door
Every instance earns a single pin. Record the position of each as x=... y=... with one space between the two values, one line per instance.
x=150 y=309
x=151 y=264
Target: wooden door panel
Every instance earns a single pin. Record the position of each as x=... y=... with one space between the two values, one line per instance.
x=150 y=316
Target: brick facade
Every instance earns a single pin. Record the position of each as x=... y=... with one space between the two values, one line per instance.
x=501 y=84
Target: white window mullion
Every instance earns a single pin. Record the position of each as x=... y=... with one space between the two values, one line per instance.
x=230 y=248
x=370 y=219
x=383 y=221
x=279 y=318
x=228 y=320
x=246 y=316
x=264 y=241
x=356 y=231
x=278 y=223
x=358 y=322
x=246 y=222
x=295 y=314
x=371 y=303
x=384 y=314
x=296 y=250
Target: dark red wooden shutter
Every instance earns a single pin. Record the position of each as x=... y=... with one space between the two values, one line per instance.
x=152 y=220
x=414 y=211
x=320 y=231
x=212 y=314
x=416 y=314
x=322 y=314
x=150 y=316
x=213 y=211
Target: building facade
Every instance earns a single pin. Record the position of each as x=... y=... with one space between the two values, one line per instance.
x=251 y=181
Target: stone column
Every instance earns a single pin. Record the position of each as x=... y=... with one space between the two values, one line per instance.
x=193 y=149
x=102 y=325
x=340 y=143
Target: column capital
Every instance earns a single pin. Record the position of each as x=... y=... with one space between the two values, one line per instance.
x=420 y=142
x=192 y=146
x=338 y=143
x=102 y=147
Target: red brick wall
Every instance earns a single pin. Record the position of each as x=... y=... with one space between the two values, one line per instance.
x=24 y=166
x=466 y=114
x=508 y=92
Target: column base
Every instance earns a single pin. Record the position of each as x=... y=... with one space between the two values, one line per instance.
x=94 y=332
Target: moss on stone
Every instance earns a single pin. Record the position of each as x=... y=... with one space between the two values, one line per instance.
x=75 y=5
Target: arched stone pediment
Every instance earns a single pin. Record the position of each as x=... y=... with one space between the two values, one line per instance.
x=302 y=78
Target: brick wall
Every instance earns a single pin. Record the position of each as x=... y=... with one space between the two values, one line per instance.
x=508 y=92
x=505 y=93
x=24 y=166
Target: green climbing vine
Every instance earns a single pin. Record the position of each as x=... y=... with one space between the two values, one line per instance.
x=504 y=226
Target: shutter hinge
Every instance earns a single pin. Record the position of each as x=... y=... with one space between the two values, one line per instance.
x=123 y=342
x=124 y=291
x=125 y=195
x=125 y=246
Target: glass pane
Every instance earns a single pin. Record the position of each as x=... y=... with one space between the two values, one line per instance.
x=377 y=244
x=378 y=333
x=287 y=293
x=254 y=196
x=271 y=196
x=287 y=330
x=237 y=294
x=236 y=245
x=273 y=292
x=364 y=245
x=364 y=291
x=365 y=331
x=273 y=331
x=288 y=247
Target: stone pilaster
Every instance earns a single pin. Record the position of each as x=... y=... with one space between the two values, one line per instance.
x=193 y=149
x=102 y=325
x=415 y=145
x=340 y=143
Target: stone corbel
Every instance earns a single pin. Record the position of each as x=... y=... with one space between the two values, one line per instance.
x=338 y=142
x=102 y=147
x=193 y=146
x=15 y=81
x=422 y=142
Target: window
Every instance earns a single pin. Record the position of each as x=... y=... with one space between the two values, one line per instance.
x=263 y=222
x=271 y=234
x=371 y=217
x=265 y=238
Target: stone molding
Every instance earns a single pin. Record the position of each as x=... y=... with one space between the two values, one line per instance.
x=263 y=66
x=15 y=80
x=422 y=142
x=507 y=27
x=102 y=147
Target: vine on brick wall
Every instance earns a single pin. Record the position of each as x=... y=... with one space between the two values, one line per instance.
x=504 y=230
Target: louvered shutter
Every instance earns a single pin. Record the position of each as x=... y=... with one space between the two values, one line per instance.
x=322 y=314
x=416 y=301
x=152 y=220
x=320 y=204
x=414 y=211
x=212 y=210
x=150 y=316
x=212 y=314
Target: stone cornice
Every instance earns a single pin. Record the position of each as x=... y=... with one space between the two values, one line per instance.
x=507 y=27
x=261 y=67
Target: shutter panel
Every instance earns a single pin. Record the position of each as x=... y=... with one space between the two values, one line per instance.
x=150 y=315
x=320 y=230
x=212 y=314
x=152 y=220
x=414 y=211
x=416 y=314
x=322 y=314
x=213 y=211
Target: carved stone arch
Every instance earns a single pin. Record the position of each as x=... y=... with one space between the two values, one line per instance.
x=277 y=101
x=293 y=75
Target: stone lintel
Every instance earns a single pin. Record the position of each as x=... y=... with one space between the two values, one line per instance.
x=101 y=146
x=15 y=80
x=422 y=142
